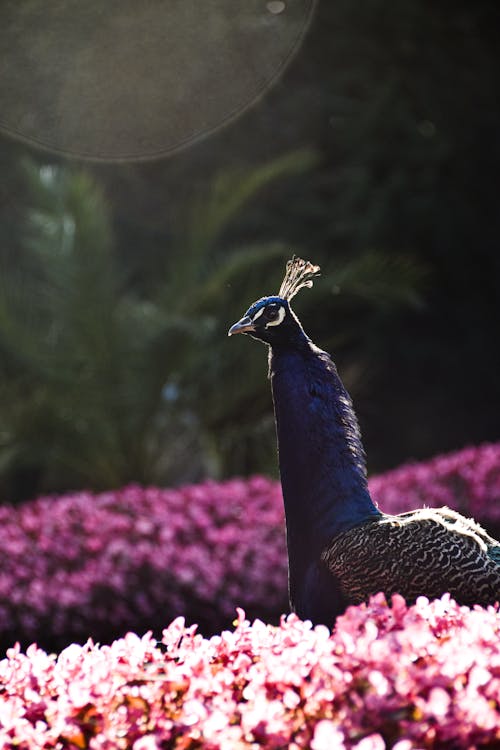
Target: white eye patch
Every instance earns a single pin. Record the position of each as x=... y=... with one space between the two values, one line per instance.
x=279 y=319
x=258 y=314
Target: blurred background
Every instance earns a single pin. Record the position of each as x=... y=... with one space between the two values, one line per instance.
x=376 y=154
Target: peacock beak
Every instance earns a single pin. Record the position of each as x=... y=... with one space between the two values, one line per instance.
x=242 y=326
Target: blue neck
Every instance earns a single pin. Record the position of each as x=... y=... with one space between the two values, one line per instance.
x=322 y=463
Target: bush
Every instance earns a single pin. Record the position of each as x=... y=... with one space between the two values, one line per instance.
x=98 y=565
x=400 y=677
x=467 y=481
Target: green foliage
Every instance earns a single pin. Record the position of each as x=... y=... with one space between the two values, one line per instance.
x=97 y=383
x=79 y=391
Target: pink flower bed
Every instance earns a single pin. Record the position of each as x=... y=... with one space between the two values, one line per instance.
x=96 y=565
x=426 y=676
x=467 y=480
x=85 y=565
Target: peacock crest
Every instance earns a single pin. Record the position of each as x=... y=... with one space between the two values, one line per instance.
x=299 y=273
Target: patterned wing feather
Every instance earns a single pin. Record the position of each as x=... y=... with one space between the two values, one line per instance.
x=494 y=553
x=422 y=553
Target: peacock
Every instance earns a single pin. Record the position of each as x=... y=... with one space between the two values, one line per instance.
x=341 y=547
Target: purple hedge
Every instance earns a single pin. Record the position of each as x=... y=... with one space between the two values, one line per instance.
x=97 y=565
x=398 y=677
x=467 y=480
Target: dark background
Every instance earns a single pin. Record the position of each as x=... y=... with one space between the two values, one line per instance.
x=376 y=155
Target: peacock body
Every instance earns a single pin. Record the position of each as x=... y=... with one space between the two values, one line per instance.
x=341 y=547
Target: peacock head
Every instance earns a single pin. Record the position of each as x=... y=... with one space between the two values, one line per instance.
x=271 y=319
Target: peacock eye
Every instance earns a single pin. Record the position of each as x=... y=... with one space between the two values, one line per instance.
x=275 y=314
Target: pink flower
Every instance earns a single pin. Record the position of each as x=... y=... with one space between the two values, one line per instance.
x=438 y=702
x=288 y=686
x=327 y=737
x=372 y=742
x=147 y=742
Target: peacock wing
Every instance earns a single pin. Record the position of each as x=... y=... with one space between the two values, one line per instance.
x=424 y=553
